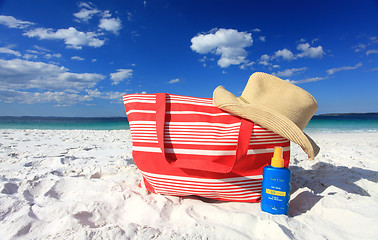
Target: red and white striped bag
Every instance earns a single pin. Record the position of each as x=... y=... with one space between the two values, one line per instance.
x=187 y=146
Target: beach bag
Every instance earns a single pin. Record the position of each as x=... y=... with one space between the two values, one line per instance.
x=186 y=146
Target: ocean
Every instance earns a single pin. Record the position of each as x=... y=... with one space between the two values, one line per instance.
x=351 y=122
x=321 y=123
x=64 y=123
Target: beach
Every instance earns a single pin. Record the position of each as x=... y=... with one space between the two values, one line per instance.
x=83 y=184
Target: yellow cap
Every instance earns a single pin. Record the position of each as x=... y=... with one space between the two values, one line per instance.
x=277 y=159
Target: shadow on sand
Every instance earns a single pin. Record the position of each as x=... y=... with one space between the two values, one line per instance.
x=319 y=178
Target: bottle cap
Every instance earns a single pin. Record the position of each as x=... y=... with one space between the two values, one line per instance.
x=277 y=159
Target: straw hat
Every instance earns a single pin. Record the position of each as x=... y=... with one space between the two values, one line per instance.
x=273 y=104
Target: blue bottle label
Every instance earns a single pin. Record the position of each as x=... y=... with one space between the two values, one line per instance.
x=275 y=190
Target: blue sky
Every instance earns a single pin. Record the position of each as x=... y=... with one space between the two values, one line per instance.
x=77 y=58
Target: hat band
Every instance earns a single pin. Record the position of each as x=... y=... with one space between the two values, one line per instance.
x=243 y=99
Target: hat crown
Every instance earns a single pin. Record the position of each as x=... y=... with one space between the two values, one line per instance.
x=280 y=97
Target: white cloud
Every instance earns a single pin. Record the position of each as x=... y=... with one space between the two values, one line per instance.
x=373 y=40
x=23 y=74
x=106 y=14
x=107 y=23
x=174 y=81
x=95 y=93
x=359 y=47
x=115 y=96
x=130 y=17
x=121 y=75
x=29 y=56
x=228 y=43
x=334 y=70
x=264 y=60
x=110 y=24
x=72 y=38
x=58 y=97
x=205 y=59
x=61 y=98
x=86 y=12
x=12 y=22
x=30 y=82
x=289 y=72
x=41 y=49
x=262 y=38
x=86 y=5
x=32 y=51
x=54 y=55
x=41 y=52
x=77 y=58
x=231 y=56
x=9 y=51
x=306 y=51
x=307 y=80
x=368 y=46
x=217 y=38
x=284 y=54
x=311 y=52
x=246 y=65
x=371 y=51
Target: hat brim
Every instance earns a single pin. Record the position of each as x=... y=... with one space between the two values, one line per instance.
x=273 y=121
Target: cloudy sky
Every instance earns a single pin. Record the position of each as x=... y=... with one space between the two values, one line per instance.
x=77 y=58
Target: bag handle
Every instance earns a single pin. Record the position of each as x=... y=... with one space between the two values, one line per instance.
x=245 y=132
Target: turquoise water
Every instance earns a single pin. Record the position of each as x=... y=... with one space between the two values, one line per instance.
x=338 y=123
x=344 y=123
x=64 y=123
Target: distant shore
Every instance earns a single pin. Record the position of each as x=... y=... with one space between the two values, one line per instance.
x=370 y=114
x=338 y=122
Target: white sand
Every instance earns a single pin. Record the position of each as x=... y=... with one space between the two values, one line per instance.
x=84 y=185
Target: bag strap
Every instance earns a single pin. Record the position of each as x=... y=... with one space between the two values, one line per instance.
x=244 y=137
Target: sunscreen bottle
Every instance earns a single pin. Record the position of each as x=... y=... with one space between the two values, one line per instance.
x=276 y=185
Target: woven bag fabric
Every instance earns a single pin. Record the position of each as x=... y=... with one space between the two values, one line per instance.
x=186 y=146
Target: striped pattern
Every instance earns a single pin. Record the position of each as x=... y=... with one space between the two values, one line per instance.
x=243 y=189
x=196 y=130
